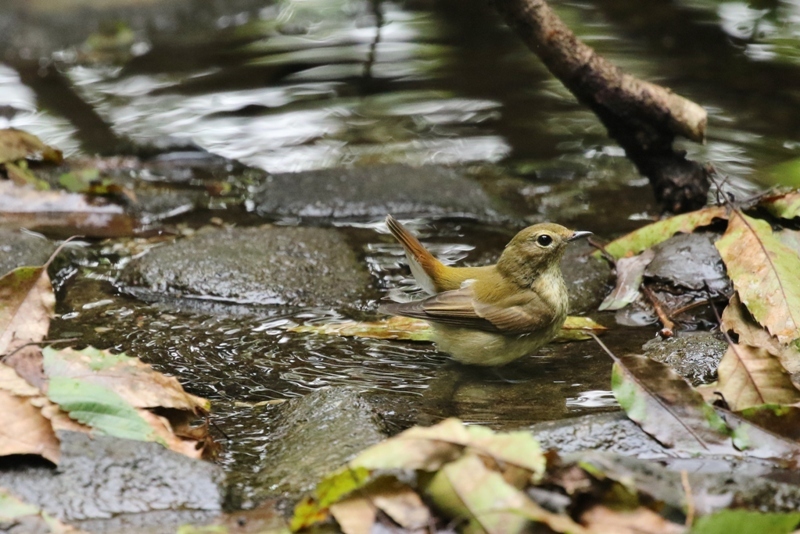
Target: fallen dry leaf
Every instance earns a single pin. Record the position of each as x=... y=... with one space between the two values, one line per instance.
x=23 y=428
x=26 y=305
x=355 y=515
x=404 y=506
x=630 y=273
x=17 y=144
x=135 y=381
x=737 y=319
x=751 y=376
x=602 y=520
x=63 y=214
x=764 y=271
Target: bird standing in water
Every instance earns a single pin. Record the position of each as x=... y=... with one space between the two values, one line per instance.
x=495 y=314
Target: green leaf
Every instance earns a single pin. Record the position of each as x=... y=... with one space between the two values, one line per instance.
x=100 y=408
x=667 y=407
x=746 y=522
x=653 y=234
x=786 y=173
x=467 y=490
x=429 y=448
x=12 y=508
x=20 y=174
x=786 y=206
x=764 y=272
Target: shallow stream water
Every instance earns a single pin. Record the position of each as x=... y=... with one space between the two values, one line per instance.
x=310 y=84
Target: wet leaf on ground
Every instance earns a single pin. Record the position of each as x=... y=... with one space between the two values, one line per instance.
x=781 y=420
x=764 y=272
x=746 y=522
x=758 y=441
x=90 y=182
x=63 y=214
x=428 y=449
x=113 y=392
x=736 y=319
x=630 y=273
x=639 y=521
x=750 y=376
x=652 y=234
x=26 y=305
x=22 y=517
x=466 y=490
x=17 y=144
x=575 y=328
x=23 y=427
x=20 y=174
x=786 y=206
x=667 y=407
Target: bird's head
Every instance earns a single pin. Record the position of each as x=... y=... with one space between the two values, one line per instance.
x=535 y=250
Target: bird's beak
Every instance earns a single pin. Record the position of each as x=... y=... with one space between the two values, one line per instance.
x=578 y=234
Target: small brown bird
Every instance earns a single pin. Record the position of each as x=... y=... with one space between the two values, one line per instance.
x=494 y=314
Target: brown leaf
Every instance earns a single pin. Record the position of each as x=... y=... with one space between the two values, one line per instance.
x=355 y=515
x=737 y=319
x=765 y=273
x=602 y=520
x=404 y=506
x=630 y=272
x=26 y=305
x=750 y=376
x=63 y=214
x=17 y=144
x=23 y=428
x=135 y=381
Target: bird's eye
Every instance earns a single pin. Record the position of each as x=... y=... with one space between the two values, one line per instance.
x=544 y=240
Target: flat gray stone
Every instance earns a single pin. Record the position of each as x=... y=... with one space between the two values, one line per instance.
x=612 y=432
x=372 y=192
x=693 y=355
x=18 y=249
x=101 y=476
x=262 y=266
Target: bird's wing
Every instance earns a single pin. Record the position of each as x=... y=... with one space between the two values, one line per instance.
x=460 y=309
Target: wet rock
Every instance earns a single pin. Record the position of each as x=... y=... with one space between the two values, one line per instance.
x=588 y=278
x=689 y=261
x=261 y=266
x=693 y=355
x=313 y=436
x=612 y=432
x=18 y=248
x=716 y=483
x=101 y=476
x=372 y=192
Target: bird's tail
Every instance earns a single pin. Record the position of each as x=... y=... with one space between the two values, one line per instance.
x=425 y=268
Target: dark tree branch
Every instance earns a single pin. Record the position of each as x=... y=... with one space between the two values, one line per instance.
x=644 y=118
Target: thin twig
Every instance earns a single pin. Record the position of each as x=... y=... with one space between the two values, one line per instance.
x=606 y=254
x=669 y=326
x=697 y=304
x=32 y=343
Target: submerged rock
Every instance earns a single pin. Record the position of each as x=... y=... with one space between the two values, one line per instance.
x=693 y=355
x=101 y=476
x=689 y=261
x=588 y=278
x=313 y=436
x=261 y=266
x=372 y=192
x=18 y=249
